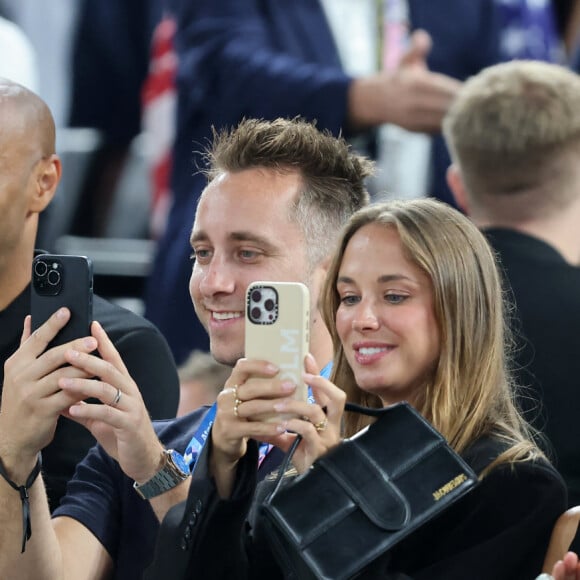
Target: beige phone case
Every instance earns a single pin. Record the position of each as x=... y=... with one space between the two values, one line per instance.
x=279 y=332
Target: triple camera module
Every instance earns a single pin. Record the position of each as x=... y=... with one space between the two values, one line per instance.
x=263 y=305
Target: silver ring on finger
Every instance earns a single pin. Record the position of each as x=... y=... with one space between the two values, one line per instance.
x=117 y=398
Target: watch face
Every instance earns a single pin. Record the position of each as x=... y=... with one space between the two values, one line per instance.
x=179 y=461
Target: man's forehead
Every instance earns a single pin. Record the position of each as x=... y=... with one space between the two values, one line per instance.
x=265 y=183
x=247 y=210
x=246 y=206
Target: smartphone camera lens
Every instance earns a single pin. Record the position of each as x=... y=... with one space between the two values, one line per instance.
x=256 y=313
x=269 y=305
x=53 y=277
x=256 y=296
x=40 y=268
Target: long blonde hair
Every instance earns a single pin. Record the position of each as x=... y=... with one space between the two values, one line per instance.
x=470 y=393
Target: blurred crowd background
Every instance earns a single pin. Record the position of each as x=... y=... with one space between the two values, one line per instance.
x=126 y=81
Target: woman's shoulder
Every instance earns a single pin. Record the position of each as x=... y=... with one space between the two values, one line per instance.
x=485 y=450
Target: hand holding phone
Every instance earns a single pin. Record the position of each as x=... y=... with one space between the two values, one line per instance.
x=62 y=280
x=277 y=329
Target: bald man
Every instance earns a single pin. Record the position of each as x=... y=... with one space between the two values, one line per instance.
x=29 y=175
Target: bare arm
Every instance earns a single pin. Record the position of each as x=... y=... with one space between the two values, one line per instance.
x=60 y=549
x=31 y=405
x=42 y=556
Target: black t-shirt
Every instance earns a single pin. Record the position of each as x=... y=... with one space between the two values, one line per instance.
x=146 y=356
x=546 y=292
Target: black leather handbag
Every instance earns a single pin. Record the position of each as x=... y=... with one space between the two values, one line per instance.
x=362 y=497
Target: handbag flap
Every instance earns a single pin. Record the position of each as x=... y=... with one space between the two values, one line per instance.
x=368 y=485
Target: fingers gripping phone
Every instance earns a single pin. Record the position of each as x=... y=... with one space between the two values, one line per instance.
x=277 y=328
x=62 y=280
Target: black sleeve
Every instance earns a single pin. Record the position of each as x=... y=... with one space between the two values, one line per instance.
x=229 y=63
x=94 y=499
x=204 y=538
x=500 y=530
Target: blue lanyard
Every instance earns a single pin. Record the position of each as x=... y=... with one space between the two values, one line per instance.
x=199 y=438
x=325 y=372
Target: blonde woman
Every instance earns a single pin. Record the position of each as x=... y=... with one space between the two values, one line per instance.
x=414 y=304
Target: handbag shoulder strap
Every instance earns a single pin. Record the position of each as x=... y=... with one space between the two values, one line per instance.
x=352 y=407
x=370 y=411
x=283 y=468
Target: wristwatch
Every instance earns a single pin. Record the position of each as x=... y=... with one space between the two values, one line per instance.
x=173 y=471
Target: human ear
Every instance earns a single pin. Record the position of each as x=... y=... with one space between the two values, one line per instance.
x=457 y=186
x=47 y=178
x=319 y=276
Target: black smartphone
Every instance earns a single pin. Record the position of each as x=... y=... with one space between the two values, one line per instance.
x=62 y=280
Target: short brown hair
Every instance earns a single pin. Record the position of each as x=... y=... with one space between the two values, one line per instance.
x=333 y=175
x=514 y=129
